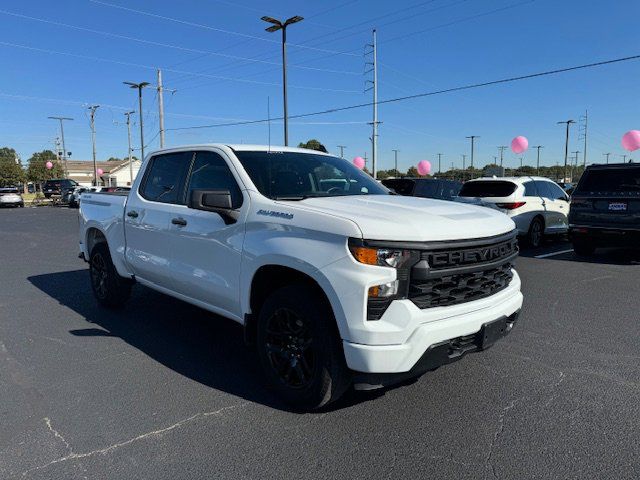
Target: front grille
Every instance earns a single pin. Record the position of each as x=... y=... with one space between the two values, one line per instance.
x=452 y=275
x=459 y=288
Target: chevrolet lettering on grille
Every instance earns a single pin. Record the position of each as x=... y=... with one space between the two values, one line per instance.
x=472 y=256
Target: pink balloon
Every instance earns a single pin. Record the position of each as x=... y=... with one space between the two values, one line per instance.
x=519 y=144
x=631 y=140
x=100 y=171
x=49 y=165
x=359 y=162
x=424 y=167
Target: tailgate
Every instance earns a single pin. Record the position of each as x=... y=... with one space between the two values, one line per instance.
x=606 y=212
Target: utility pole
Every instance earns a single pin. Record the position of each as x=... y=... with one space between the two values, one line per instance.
x=576 y=163
x=607 y=155
x=64 y=148
x=439 y=163
x=278 y=25
x=584 y=135
x=395 y=154
x=341 y=147
x=92 y=114
x=464 y=166
x=128 y=115
x=139 y=86
x=624 y=158
x=472 y=137
x=566 y=146
x=365 y=159
x=374 y=87
x=502 y=148
x=538 y=159
x=160 y=108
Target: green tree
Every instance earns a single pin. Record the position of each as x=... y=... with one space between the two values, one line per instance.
x=313 y=144
x=412 y=172
x=114 y=159
x=37 y=171
x=11 y=172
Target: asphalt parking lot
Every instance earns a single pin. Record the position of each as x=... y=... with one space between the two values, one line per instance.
x=163 y=390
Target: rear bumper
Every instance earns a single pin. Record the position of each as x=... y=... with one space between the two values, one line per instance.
x=605 y=237
x=433 y=327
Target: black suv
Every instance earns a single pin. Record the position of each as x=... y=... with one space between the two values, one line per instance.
x=605 y=208
x=424 y=187
x=58 y=187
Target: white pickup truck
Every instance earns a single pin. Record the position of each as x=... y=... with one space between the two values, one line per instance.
x=337 y=281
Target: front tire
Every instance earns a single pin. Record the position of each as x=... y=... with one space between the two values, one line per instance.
x=109 y=288
x=300 y=348
x=536 y=232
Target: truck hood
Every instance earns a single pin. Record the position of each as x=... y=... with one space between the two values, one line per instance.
x=391 y=217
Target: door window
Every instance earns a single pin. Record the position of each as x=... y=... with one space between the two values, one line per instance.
x=164 y=181
x=211 y=172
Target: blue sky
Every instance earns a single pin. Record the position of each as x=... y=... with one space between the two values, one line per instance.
x=445 y=43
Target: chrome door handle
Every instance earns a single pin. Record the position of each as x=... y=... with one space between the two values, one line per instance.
x=179 y=221
x=132 y=214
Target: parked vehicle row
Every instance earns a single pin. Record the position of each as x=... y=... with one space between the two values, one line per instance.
x=336 y=281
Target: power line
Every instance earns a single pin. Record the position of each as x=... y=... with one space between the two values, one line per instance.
x=149 y=67
x=208 y=27
x=428 y=94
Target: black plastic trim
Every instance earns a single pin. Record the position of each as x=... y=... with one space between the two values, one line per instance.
x=436 y=245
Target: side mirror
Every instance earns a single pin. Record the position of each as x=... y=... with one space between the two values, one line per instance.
x=218 y=201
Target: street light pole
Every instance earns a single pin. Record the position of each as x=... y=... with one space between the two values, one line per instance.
x=92 y=110
x=64 y=148
x=128 y=115
x=395 y=154
x=472 y=137
x=139 y=86
x=566 y=147
x=439 y=163
x=607 y=155
x=278 y=25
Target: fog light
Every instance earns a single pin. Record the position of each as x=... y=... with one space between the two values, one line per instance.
x=385 y=290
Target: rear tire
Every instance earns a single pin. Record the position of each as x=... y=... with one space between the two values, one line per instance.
x=300 y=348
x=110 y=289
x=536 y=232
x=583 y=248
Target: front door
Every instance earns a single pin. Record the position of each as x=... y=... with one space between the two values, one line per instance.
x=206 y=249
x=148 y=215
x=557 y=206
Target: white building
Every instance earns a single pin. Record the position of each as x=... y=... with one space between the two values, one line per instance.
x=114 y=174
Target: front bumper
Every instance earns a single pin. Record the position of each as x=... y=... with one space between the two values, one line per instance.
x=441 y=354
x=428 y=328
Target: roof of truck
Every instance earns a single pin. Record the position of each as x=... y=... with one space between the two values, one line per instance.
x=243 y=148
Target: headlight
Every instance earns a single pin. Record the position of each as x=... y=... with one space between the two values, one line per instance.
x=381 y=296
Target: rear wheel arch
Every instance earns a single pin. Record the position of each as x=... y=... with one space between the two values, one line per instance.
x=93 y=237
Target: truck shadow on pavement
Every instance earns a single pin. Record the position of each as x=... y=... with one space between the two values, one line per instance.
x=200 y=345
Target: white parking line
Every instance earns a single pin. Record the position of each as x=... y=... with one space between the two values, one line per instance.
x=553 y=254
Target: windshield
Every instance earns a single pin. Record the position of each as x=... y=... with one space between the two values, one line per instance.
x=487 y=188
x=614 y=180
x=295 y=176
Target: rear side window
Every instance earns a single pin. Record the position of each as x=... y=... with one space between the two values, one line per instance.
x=531 y=190
x=164 y=181
x=489 y=188
x=402 y=186
x=615 y=180
x=211 y=172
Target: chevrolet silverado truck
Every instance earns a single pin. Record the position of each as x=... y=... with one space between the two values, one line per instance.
x=337 y=281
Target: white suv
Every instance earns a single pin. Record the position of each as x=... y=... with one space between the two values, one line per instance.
x=537 y=205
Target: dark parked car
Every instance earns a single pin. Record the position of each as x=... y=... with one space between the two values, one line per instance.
x=60 y=186
x=605 y=208
x=424 y=187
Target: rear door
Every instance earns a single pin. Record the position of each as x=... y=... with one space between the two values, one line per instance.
x=148 y=214
x=557 y=206
x=206 y=250
x=608 y=197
